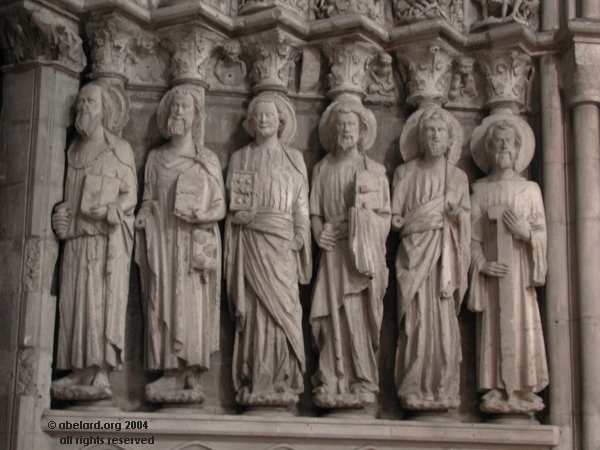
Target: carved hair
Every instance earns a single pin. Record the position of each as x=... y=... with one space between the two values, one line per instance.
x=367 y=123
x=164 y=111
x=115 y=106
x=348 y=108
x=107 y=106
x=436 y=114
x=502 y=125
x=276 y=100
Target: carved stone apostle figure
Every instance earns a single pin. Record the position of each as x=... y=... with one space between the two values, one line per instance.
x=267 y=252
x=96 y=222
x=178 y=250
x=508 y=251
x=350 y=215
x=431 y=209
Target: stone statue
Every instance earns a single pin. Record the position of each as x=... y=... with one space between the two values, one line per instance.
x=431 y=209
x=96 y=223
x=350 y=215
x=178 y=250
x=508 y=251
x=267 y=252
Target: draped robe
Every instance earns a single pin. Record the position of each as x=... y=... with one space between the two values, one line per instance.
x=262 y=273
x=431 y=268
x=94 y=274
x=528 y=267
x=181 y=302
x=358 y=297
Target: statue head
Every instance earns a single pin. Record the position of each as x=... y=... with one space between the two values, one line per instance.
x=347 y=124
x=502 y=144
x=436 y=133
x=93 y=107
x=269 y=114
x=181 y=111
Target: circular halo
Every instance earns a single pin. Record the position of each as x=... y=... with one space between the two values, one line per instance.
x=120 y=109
x=284 y=106
x=527 y=141
x=409 y=138
x=366 y=116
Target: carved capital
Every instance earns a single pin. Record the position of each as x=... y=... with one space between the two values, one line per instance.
x=426 y=73
x=116 y=43
x=191 y=50
x=508 y=78
x=272 y=55
x=580 y=67
x=350 y=61
x=34 y=34
x=452 y=11
x=373 y=9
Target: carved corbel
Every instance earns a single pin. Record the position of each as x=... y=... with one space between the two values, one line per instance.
x=350 y=61
x=191 y=53
x=116 y=44
x=508 y=78
x=373 y=9
x=34 y=34
x=272 y=55
x=452 y=11
x=426 y=73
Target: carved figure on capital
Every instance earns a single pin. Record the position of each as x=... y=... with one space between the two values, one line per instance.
x=350 y=215
x=178 y=250
x=508 y=250
x=497 y=12
x=96 y=222
x=267 y=253
x=409 y=11
x=373 y=9
x=431 y=210
x=463 y=81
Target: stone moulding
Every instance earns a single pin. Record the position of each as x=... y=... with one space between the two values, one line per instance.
x=226 y=431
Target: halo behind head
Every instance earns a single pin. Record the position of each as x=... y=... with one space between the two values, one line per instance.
x=523 y=130
x=115 y=106
x=410 y=139
x=164 y=110
x=288 y=128
x=368 y=124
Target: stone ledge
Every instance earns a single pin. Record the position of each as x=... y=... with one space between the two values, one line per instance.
x=250 y=432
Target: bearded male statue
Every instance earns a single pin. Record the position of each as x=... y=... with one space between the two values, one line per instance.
x=178 y=250
x=96 y=222
x=508 y=250
x=350 y=215
x=267 y=252
x=431 y=209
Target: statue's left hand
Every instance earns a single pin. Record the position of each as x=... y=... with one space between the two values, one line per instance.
x=453 y=212
x=516 y=225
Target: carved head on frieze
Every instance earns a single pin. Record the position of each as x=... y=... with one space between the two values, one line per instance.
x=181 y=111
x=504 y=140
x=271 y=106
x=347 y=123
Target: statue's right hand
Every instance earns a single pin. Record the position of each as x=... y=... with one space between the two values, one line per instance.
x=140 y=220
x=327 y=239
x=243 y=217
x=495 y=269
x=397 y=222
x=60 y=221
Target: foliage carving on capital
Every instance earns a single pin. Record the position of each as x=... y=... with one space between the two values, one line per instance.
x=40 y=35
x=373 y=9
x=273 y=56
x=508 y=78
x=116 y=43
x=410 y=11
x=427 y=75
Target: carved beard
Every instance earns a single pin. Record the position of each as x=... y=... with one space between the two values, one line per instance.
x=436 y=149
x=178 y=126
x=503 y=160
x=86 y=123
x=345 y=143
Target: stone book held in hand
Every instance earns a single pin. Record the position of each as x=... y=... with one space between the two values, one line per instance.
x=98 y=191
x=368 y=190
x=189 y=195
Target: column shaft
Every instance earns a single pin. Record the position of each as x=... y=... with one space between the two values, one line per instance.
x=590 y=9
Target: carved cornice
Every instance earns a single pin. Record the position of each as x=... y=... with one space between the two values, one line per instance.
x=34 y=34
x=116 y=43
x=272 y=55
x=373 y=9
x=508 y=78
x=350 y=61
x=191 y=51
x=426 y=72
x=451 y=11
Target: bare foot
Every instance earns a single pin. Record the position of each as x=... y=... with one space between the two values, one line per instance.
x=192 y=380
x=73 y=379
x=101 y=380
